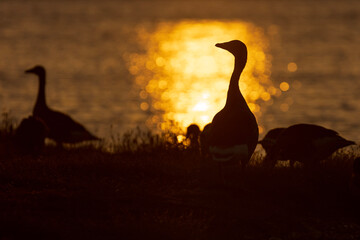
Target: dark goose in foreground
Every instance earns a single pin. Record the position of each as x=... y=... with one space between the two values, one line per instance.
x=62 y=128
x=234 y=131
x=306 y=143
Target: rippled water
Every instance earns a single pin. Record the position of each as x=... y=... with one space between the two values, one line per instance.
x=114 y=65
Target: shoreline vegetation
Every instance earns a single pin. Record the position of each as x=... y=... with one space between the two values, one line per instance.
x=151 y=186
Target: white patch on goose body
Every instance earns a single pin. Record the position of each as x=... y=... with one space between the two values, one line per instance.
x=220 y=154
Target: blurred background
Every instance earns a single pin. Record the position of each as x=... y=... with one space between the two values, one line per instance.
x=115 y=65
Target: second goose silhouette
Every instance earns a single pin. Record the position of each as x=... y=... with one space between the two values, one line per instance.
x=305 y=143
x=62 y=128
x=234 y=131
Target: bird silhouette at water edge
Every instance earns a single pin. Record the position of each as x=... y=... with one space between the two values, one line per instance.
x=233 y=134
x=305 y=143
x=62 y=128
x=193 y=134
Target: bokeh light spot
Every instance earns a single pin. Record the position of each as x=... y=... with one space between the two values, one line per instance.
x=284 y=86
x=292 y=67
x=144 y=106
x=265 y=96
x=143 y=94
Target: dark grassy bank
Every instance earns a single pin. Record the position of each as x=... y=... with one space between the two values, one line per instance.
x=151 y=187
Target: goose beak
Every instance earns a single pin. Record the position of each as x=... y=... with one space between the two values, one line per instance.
x=220 y=45
x=31 y=70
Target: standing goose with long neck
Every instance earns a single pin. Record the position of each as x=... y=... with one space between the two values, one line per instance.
x=234 y=131
x=62 y=128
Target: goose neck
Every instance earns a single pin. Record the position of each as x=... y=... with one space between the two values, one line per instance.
x=40 y=101
x=234 y=95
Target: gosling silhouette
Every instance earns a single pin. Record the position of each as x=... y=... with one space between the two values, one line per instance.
x=305 y=143
x=234 y=131
x=62 y=128
x=193 y=133
x=268 y=142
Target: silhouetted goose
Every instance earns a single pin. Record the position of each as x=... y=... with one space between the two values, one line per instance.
x=306 y=143
x=30 y=136
x=62 y=128
x=268 y=142
x=193 y=133
x=234 y=130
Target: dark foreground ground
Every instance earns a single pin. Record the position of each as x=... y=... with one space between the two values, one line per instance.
x=86 y=193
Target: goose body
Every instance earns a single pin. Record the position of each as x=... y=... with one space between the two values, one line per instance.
x=234 y=131
x=306 y=143
x=62 y=128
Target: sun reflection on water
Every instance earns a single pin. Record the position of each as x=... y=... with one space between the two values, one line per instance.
x=184 y=77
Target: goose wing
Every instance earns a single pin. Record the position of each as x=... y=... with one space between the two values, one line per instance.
x=64 y=129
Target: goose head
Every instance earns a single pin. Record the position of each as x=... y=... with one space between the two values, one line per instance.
x=193 y=131
x=38 y=70
x=236 y=47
